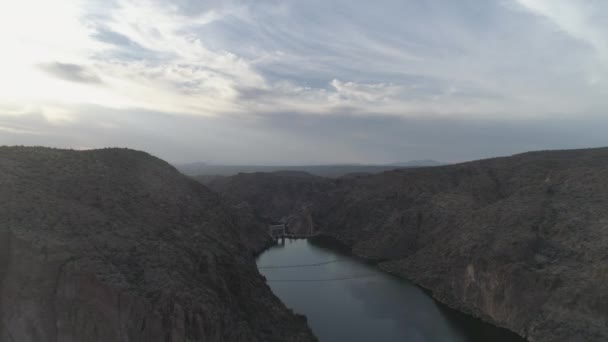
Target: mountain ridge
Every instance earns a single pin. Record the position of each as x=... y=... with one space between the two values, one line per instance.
x=327 y=170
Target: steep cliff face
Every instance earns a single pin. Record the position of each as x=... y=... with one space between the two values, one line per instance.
x=115 y=245
x=519 y=241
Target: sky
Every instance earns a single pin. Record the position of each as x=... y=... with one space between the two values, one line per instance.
x=305 y=82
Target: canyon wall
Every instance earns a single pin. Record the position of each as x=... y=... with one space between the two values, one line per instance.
x=519 y=241
x=116 y=245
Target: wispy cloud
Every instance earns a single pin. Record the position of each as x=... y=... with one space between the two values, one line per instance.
x=502 y=60
x=584 y=21
x=71 y=72
x=229 y=57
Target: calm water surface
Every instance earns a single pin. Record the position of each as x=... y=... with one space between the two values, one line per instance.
x=345 y=299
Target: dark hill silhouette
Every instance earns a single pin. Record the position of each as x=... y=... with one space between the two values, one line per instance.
x=116 y=245
x=204 y=170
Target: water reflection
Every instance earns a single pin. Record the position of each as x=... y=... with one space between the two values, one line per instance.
x=378 y=307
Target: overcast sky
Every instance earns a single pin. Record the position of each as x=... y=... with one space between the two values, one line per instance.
x=296 y=82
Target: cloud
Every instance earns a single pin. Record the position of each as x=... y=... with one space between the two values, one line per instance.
x=220 y=58
x=580 y=19
x=364 y=92
x=583 y=21
x=296 y=138
x=71 y=72
x=251 y=73
x=16 y=130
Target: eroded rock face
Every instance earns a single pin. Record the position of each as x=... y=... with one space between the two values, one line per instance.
x=521 y=241
x=115 y=245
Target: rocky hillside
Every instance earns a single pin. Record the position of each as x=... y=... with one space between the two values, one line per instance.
x=520 y=241
x=116 y=245
x=283 y=196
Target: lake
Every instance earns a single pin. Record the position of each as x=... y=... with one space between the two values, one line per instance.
x=346 y=299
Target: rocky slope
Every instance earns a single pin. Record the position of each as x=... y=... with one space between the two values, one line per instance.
x=283 y=196
x=520 y=241
x=116 y=245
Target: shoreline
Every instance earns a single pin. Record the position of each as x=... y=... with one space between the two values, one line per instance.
x=332 y=243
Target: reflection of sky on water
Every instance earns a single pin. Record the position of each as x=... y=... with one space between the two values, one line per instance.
x=379 y=308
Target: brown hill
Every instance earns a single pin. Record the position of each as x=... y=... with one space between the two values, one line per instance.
x=116 y=245
x=519 y=241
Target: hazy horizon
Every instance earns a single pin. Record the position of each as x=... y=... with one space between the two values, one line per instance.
x=305 y=83
x=333 y=164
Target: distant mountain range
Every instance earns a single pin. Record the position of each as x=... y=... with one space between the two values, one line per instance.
x=419 y=163
x=334 y=170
